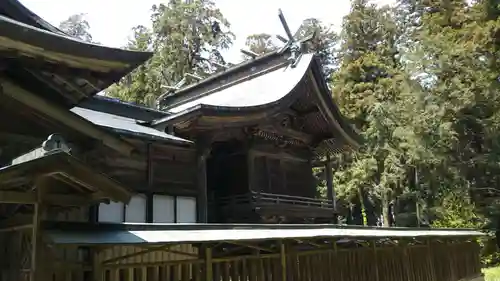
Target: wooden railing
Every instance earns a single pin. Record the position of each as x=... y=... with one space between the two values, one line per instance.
x=270 y=198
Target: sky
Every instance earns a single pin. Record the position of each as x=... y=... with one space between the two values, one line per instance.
x=112 y=20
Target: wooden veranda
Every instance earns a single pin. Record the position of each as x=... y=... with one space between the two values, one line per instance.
x=257 y=252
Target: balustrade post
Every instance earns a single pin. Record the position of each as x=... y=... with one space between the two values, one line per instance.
x=208 y=264
x=283 y=260
x=329 y=186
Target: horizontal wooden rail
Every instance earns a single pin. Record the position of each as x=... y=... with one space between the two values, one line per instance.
x=270 y=198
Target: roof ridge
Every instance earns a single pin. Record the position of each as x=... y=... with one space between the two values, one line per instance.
x=219 y=75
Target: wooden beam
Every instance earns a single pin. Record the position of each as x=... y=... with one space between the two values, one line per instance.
x=65 y=117
x=135 y=254
x=30 y=198
x=248 y=245
x=278 y=154
x=60 y=88
x=20 y=138
x=42 y=65
x=14 y=228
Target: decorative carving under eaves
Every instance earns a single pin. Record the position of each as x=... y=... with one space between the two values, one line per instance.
x=278 y=140
x=286 y=121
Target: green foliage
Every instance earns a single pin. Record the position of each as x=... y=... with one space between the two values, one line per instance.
x=492 y=273
x=261 y=43
x=183 y=37
x=77 y=26
x=455 y=211
x=368 y=86
x=420 y=82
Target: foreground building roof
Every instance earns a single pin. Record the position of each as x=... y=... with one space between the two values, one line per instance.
x=60 y=68
x=84 y=234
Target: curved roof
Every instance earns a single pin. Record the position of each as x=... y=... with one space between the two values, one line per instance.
x=38 y=54
x=262 y=88
x=269 y=84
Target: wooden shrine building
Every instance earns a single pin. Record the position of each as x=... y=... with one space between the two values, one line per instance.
x=76 y=169
x=260 y=125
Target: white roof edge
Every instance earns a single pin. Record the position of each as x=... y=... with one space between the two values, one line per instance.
x=213 y=235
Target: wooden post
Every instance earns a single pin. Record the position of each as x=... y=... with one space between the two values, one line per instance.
x=251 y=170
x=430 y=261
x=451 y=259
x=283 y=260
x=97 y=266
x=37 y=256
x=329 y=185
x=375 y=258
x=208 y=264
x=202 y=152
x=406 y=261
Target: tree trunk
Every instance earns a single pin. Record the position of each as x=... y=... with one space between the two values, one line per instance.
x=385 y=209
x=363 y=208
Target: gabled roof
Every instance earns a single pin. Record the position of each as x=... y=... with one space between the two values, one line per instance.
x=258 y=89
x=61 y=68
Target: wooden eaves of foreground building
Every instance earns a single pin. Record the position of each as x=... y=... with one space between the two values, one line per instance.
x=236 y=147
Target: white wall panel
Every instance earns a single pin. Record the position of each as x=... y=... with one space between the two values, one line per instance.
x=135 y=211
x=163 y=209
x=112 y=212
x=186 y=209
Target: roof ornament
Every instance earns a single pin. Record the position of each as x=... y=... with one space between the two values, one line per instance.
x=54 y=143
x=213 y=62
x=249 y=53
x=177 y=86
x=193 y=76
x=292 y=44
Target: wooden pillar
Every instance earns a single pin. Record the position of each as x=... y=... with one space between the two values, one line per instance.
x=202 y=153
x=149 y=180
x=251 y=170
x=329 y=186
x=37 y=252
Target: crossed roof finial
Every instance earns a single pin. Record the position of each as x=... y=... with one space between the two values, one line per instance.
x=291 y=43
